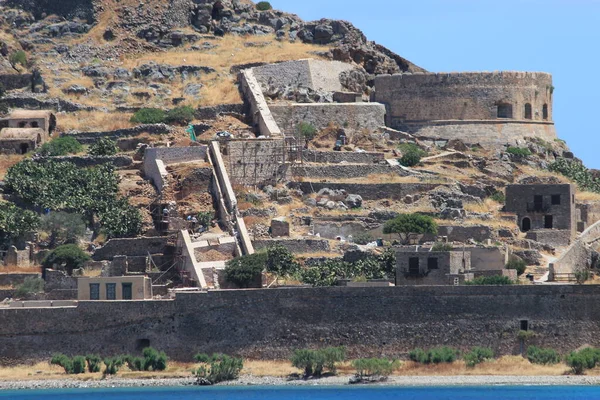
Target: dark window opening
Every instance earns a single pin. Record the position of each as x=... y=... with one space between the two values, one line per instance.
x=505 y=111
x=556 y=199
x=111 y=291
x=141 y=344
x=545 y=112
x=127 y=291
x=548 y=221
x=526 y=224
x=24 y=148
x=528 y=111
x=34 y=124
x=432 y=263
x=22 y=124
x=94 y=291
x=524 y=325
x=538 y=203
x=413 y=266
x=573 y=198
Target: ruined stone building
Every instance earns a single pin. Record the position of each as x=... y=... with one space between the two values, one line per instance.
x=547 y=213
x=486 y=108
x=25 y=130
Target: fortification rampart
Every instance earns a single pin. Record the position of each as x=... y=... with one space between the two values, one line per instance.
x=521 y=100
x=272 y=323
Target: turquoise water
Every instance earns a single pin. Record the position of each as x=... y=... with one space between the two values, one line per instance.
x=313 y=393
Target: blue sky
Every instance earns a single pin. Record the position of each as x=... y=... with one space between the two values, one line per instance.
x=557 y=36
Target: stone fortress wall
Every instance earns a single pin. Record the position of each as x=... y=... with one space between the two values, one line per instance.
x=272 y=323
x=488 y=108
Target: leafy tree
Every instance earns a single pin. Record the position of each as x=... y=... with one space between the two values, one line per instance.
x=155 y=360
x=15 y=221
x=406 y=225
x=246 y=270
x=373 y=368
x=79 y=365
x=307 y=131
x=436 y=355
x=263 y=6
x=63 y=361
x=205 y=218
x=63 y=227
x=30 y=285
x=103 y=147
x=120 y=219
x=583 y=359
x=61 y=146
x=477 y=355
x=517 y=263
x=314 y=362
x=280 y=261
x=180 y=115
x=149 y=116
x=94 y=362
x=67 y=257
x=325 y=273
x=112 y=365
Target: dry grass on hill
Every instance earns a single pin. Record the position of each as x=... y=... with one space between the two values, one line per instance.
x=91 y=121
x=7 y=161
x=587 y=196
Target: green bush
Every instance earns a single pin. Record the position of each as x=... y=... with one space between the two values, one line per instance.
x=15 y=221
x=202 y=358
x=439 y=246
x=436 y=355
x=280 y=261
x=518 y=151
x=411 y=154
x=30 y=285
x=246 y=270
x=498 y=197
x=578 y=173
x=155 y=360
x=63 y=361
x=180 y=115
x=540 y=355
x=205 y=218
x=583 y=359
x=363 y=238
x=263 y=6
x=94 y=362
x=103 y=147
x=121 y=219
x=66 y=257
x=61 y=146
x=222 y=368
x=79 y=365
x=516 y=263
x=314 y=362
x=149 y=116
x=490 y=280
x=368 y=368
x=18 y=57
x=477 y=355
x=112 y=365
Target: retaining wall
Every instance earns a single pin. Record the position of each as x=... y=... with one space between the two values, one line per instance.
x=14 y=279
x=296 y=246
x=90 y=161
x=92 y=137
x=136 y=247
x=578 y=254
x=395 y=191
x=271 y=323
x=343 y=171
x=157 y=158
x=336 y=157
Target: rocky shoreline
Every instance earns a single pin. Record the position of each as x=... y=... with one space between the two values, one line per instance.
x=248 y=380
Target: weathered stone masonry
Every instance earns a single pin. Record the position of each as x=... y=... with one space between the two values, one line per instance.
x=271 y=323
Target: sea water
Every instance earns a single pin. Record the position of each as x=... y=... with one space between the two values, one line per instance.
x=316 y=393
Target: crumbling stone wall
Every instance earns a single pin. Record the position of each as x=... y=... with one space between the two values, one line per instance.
x=132 y=247
x=256 y=161
x=353 y=117
x=343 y=171
x=395 y=191
x=296 y=246
x=336 y=157
x=272 y=323
x=90 y=161
x=92 y=137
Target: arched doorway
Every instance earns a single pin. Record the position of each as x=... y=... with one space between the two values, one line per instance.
x=526 y=224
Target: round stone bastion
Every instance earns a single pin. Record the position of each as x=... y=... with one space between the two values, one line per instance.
x=486 y=108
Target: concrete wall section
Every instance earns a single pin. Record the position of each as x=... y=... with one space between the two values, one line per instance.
x=272 y=323
x=261 y=115
x=353 y=117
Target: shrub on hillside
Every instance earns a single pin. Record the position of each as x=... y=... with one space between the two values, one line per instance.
x=246 y=270
x=518 y=151
x=516 y=263
x=435 y=355
x=411 y=154
x=180 y=115
x=94 y=362
x=439 y=246
x=490 y=280
x=540 y=355
x=18 y=58
x=66 y=257
x=578 y=173
x=374 y=368
x=363 y=238
x=63 y=227
x=149 y=116
x=79 y=365
x=263 y=6
x=315 y=362
x=307 y=131
x=583 y=359
x=112 y=365
x=477 y=355
x=103 y=147
x=63 y=361
x=219 y=368
x=15 y=221
x=61 y=146
x=29 y=286
x=498 y=197
x=406 y=225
